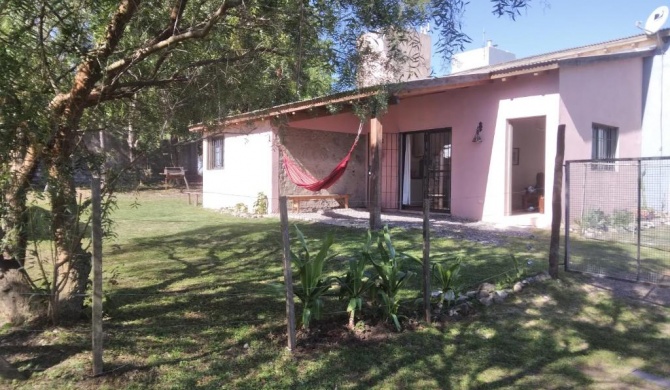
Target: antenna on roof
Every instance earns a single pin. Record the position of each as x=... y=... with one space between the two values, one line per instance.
x=655 y=22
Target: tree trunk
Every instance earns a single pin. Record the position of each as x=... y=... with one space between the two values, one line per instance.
x=72 y=265
x=14 y=286
x=14 y=297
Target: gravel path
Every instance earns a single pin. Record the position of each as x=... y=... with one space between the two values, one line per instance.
x=442 y=225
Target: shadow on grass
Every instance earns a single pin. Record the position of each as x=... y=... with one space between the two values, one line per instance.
x=198 y=309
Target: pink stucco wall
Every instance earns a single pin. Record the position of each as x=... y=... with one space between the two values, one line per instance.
x=479 y=176
x=605 y=92
x=608 y=93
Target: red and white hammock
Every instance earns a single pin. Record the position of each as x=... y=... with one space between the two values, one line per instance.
x=303 y=179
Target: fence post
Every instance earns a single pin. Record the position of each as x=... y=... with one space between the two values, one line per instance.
x=639 y=215
x=288 y=273
x=426 y=258
x=556 y=203
x=566 y=260
x=96 y=236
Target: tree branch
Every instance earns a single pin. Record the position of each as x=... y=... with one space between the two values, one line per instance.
x=89 y=72
x=225 y=59
x=172 y=28
x=199 y=31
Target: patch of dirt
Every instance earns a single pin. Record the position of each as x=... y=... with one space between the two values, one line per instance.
x=442 y=224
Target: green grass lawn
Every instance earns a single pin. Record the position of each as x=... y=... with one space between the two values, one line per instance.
x=191 y=303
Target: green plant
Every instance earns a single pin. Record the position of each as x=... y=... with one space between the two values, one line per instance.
x=389 y=278
x=621 y=218
x=353 y=286
x=446 y=278
x=519 y=272
x=261 y=204
x=592 y=218
x=241 y=208
x=313 y=284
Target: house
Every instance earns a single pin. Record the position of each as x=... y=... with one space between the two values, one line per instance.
x=487 y=134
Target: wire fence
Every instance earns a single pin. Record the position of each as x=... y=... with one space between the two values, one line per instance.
x=617 y=218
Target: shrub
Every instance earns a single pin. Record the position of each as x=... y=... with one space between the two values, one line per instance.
x=622 y=218
x=389 y=278
x=261 y=204
x=446 y=278
x=313 y=285
x=353 y=287
x=592 y=218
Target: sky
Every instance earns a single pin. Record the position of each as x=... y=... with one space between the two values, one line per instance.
x=550 y=25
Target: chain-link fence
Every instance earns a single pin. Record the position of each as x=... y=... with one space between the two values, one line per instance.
x=618 y=218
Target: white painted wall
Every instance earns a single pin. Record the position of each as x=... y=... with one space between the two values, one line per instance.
x=499 y=179
x=656 y=128
x=247 y=168
x=476 y=58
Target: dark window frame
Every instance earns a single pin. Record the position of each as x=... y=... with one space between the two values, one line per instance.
x=216 y=153
x=604 y=143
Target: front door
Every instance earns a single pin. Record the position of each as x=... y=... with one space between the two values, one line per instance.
x=427 y=169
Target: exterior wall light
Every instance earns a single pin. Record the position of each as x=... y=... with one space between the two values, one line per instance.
x=477 y=138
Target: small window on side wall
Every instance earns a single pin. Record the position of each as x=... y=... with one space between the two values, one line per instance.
x=604 y=144
x=215 y=153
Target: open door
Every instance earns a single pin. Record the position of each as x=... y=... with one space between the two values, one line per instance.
x=526 y=167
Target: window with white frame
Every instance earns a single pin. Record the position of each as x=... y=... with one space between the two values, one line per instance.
x=604 y=144
x=215 y=153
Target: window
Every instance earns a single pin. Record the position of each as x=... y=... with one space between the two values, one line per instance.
x=604 y=145
x=215 y=153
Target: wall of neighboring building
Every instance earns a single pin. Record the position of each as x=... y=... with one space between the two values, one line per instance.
x=607 y=93
x=476 y=58
x=247 y=168
x=656 y=127
x=319 y=152
x=656 y=104
x=377 y=69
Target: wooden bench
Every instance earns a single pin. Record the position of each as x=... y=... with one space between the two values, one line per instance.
x=297 y=199
x=174 y=173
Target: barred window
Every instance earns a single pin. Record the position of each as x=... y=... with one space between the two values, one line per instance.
x=604 y=144
x=215 y=153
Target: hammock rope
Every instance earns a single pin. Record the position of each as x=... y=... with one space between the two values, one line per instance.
x=304 y=180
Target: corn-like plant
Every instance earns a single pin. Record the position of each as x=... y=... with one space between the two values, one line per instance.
x=390 y=278
x=353 y=287
x=446 y=279
x=313 y=285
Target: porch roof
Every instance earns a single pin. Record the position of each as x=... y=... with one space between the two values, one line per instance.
x=634 y=46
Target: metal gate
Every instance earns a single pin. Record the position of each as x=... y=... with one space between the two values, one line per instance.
x=437 y=178
x=617 y=218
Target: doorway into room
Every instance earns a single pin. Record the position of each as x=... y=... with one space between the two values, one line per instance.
x=526 y=165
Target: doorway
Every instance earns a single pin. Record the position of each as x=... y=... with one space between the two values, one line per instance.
x=526 y=165
x=426 y=169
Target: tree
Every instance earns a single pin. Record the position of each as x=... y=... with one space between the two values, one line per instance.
x=68 y=66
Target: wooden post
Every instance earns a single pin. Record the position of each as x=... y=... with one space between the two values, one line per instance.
x=556 y=203
x=288 y=273
x=566 y=256
x=96 y=235
x=375 y=207
x=426 y=258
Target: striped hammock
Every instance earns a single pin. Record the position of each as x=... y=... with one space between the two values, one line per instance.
x=304 y=180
